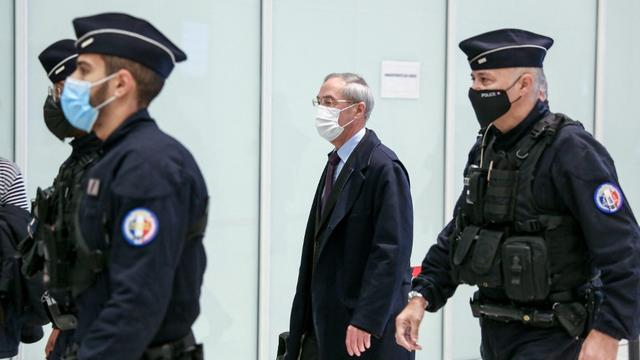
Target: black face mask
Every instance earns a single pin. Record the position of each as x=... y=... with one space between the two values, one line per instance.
x=55 y=120
x=490 y=104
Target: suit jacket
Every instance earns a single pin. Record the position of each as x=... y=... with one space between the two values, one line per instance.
x=355 y=257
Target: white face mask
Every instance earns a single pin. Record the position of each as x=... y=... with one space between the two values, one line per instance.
x=327 y=122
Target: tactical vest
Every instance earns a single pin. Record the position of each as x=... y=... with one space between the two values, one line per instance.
x=502 y=239
x=54 y=230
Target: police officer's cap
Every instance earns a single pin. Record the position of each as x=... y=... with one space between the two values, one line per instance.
x=128 y=37
x=59 y=59
x=506 y=48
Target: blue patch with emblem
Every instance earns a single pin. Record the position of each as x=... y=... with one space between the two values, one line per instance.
x=608 y=198
x=140 y=226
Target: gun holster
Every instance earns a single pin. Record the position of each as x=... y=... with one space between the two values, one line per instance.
x=282 y=345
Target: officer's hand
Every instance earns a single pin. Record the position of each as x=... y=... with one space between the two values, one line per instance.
x=408 y=324
x=357 y=341
x=599 y=346
x=51 y=343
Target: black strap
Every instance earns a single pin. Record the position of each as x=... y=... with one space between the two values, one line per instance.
x=543 y=130
x=171 y=350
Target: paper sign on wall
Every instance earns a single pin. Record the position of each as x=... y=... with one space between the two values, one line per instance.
x=400 y=79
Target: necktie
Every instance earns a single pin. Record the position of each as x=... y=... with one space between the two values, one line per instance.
x=333 y=161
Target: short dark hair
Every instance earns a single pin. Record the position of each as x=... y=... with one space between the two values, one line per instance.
x=149 y=83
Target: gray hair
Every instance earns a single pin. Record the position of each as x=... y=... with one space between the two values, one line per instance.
x=355 y=89
x=543 y=86
x=540 y=81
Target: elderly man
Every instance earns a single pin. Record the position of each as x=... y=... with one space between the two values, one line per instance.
x=354 y=271
x=542 y=226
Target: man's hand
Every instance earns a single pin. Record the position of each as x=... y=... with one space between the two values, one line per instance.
x=357 y=341
x=51 y=343
x=408 y=324
x=599 y=346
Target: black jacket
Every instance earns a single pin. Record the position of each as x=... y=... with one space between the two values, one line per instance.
x=13 y=229
x=140 y=203
x=570 y=173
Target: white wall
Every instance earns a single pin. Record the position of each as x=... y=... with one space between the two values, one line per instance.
x=6 y=79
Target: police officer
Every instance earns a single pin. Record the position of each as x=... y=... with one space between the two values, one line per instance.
x=542 y=226
x=143 y=210
x=54 y=207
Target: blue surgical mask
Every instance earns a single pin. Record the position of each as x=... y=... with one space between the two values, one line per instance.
x=76 y=105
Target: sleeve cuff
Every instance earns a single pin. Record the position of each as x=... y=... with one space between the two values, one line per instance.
x=366 y=327
x=603 y=326
x=427 y=295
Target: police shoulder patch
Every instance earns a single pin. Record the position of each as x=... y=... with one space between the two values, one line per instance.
x=140 y=226
x=608 y=198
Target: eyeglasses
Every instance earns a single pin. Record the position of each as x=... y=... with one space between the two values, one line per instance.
x=328 y=101
x=55 y=92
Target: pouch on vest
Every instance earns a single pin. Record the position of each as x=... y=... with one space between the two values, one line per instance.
x=54 y=253
x=464 y=242
x=500 y=195
x=460 y=242
x=524 y=264
x=486 y=259
x=483 y=267
x=475 y=187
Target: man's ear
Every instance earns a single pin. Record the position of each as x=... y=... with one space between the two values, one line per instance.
x=526 y=82
x=125 y=83
x=361 y=108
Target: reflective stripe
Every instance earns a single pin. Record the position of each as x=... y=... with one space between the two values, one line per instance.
x=61 y=63
x=506 y=48
x=127 y=33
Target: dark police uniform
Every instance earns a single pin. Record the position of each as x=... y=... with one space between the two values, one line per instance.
x=56 y=231
x=142 y=218
x=52 y=228
x=542 y=228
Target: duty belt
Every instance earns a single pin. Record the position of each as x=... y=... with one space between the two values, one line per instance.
x=185 y=348
x=182 y=349
x=572 y=317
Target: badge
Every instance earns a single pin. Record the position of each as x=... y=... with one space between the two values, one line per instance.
x=140 y=226
x=93 y=187
x=608 y=198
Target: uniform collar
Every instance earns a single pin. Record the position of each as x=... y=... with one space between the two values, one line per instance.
x=85 y=144
x=132 y=122
x=505 y=141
